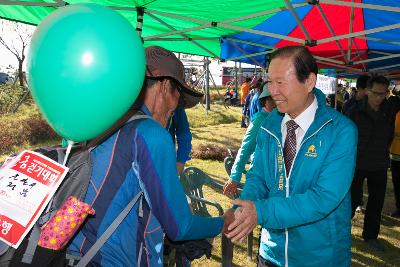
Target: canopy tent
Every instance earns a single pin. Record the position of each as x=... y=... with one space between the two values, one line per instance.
x=353 y=35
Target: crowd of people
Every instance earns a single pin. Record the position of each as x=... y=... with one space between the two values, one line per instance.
x=308 y=165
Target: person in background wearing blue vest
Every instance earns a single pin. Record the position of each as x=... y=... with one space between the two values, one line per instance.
x=255 y=105
x=178 y=127
x=298 y=186
x=249 y=143
x=141 y=157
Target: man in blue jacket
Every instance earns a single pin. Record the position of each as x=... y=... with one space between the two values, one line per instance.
x=178 y=127
x=297 y=188
x=141 y=156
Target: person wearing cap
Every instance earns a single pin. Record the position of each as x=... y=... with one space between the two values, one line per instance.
x=298 y=185
x=141 y=156
x=249 y=143
x=255 y=105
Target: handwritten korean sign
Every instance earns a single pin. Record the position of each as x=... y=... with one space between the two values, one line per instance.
x=326 y=84
x=27 y=183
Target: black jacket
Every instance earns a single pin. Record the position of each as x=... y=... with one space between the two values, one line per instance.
x=375 y=132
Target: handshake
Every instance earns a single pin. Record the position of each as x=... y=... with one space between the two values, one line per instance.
x=240 y=222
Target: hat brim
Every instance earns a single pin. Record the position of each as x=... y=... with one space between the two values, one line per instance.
x=264 y=95
x=191 y=96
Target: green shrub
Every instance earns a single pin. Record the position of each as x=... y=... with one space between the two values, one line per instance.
x=10 y=96
x=23 y=130
x=38 y=130
x=11 y=134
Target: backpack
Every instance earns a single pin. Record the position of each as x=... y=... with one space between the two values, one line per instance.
x=75 y=184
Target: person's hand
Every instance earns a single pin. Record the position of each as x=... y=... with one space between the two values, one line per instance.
x=179 y=167
x=245 y=220
x=231 y=188
x=229 y=217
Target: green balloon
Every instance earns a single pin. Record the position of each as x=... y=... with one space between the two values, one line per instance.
x=85 y=68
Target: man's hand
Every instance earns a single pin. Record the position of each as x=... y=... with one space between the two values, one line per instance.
x=245 y=220
x=229 y=217
x=231 y=188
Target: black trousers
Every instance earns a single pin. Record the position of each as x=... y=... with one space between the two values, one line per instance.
x=395 y=168
x=376 y=181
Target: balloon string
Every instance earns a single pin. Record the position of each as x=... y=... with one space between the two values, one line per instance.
x=70 y=143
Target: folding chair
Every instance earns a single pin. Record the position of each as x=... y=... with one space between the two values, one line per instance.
x=193 y=179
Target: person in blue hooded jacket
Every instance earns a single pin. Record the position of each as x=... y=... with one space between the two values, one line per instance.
x=249 y=143
x=298 y=187
x=141 y=157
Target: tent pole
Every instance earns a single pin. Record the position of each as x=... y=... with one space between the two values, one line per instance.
x=244 y=52
x=350 y=31
x=360 y=33
x=262 y=33
x=385 y=67
x=185 y=39
x=263 y=13
x=358 y=52
x=250 y=56
x=329 y=60
x=236 y=78
x=376 y=59
x=207 y=81
x=57 y=3
x=322 y=13
x=297 y=19
x=250 y=43
x=184 y=35
x=378 y=40
x=379 y=52
x=139 y=21
x=205 y=26
x=361 y=5
x=240 y=73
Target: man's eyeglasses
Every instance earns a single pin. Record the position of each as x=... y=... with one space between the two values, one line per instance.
x=379 y=94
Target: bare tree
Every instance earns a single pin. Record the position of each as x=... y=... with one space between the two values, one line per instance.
x=15 y=37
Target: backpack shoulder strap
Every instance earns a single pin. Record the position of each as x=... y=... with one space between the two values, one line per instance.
x=127 y=117
x=110 y=230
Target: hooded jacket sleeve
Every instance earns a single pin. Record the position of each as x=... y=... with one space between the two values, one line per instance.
x=248 y=146
x=157 y=165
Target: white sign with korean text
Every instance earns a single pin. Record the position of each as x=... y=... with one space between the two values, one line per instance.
x=27 y=183
x=326 y=84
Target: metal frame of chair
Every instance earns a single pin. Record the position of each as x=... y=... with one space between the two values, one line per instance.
x=228 y=163
x=193 y=179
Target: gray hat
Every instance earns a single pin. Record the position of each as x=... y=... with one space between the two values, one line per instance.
x=265 y=92
x=162 y=63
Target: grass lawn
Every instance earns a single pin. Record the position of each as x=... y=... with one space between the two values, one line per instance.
x=221 y=126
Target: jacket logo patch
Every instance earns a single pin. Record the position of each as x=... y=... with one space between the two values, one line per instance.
x=311 y=151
